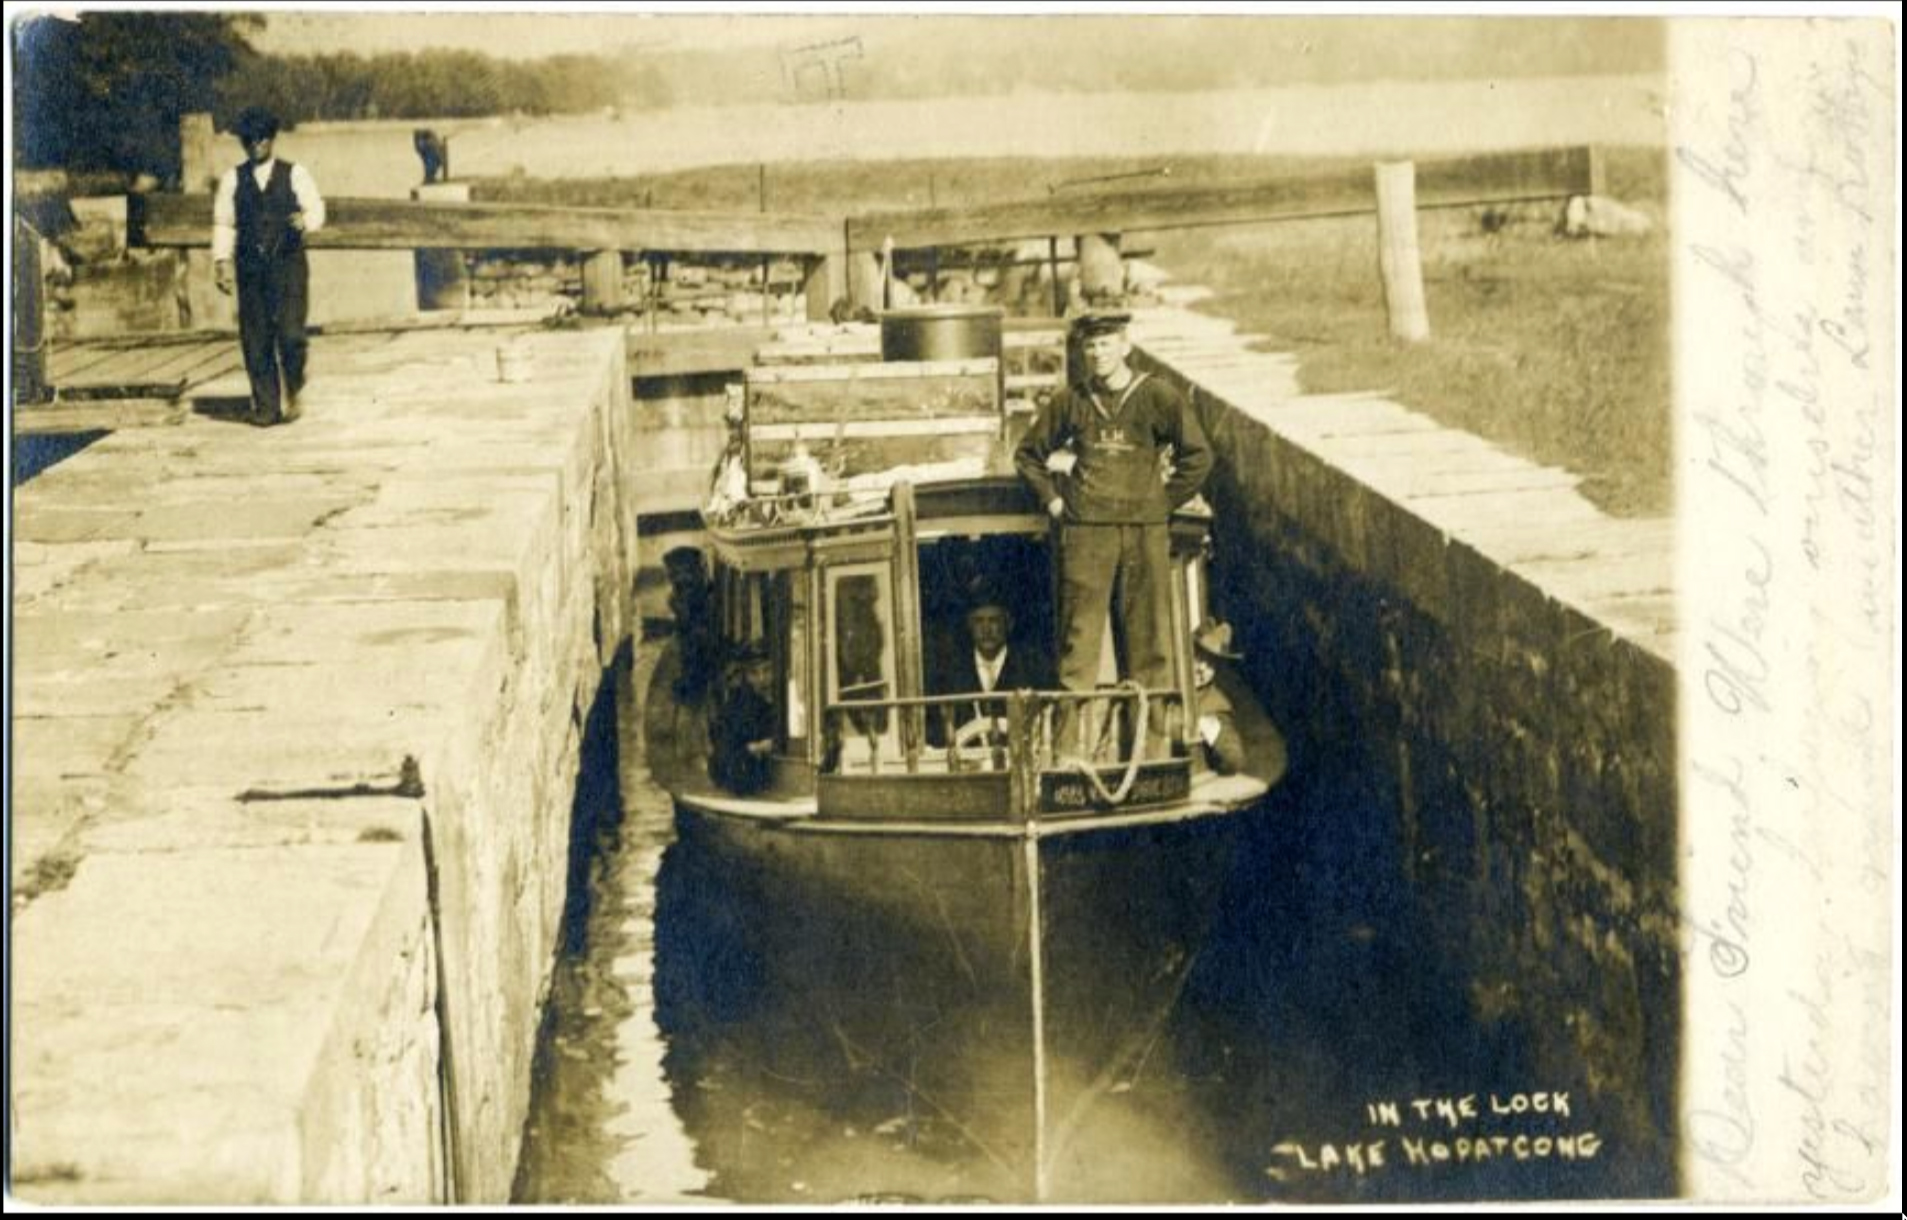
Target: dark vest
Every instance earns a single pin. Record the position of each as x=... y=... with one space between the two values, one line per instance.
x=264 y=216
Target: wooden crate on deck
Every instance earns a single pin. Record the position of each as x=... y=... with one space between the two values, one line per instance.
x=860 y=418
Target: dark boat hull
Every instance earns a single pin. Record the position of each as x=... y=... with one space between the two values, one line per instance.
x=1005 y=984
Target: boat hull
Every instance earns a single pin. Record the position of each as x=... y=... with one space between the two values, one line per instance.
x=1005 y=984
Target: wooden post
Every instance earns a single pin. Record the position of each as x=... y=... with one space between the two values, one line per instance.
x=199 y=166
x=602 y=282
x=1052 y=262
x=825 y=284
x=761 y=201
x=1598 y=183
x=29 y=317
x=443 y=282
x=206 y=308
x=1398 y=260
x=864 y=275
x=1101 y=271
x=1023 y=778
x=658 y=267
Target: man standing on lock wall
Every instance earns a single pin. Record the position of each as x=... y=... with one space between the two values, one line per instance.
x=261 y=212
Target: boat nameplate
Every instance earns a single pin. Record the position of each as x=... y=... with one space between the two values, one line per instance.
x=1158 y=783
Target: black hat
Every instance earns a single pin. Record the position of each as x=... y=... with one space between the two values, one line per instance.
x=1214 y=639
x=984 y=591
x=751 y=653
x=1101 y=322
x=255 y=123
x=683 y=562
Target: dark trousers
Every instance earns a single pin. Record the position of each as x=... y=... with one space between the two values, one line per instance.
x=272 y=297
x=1125 y=568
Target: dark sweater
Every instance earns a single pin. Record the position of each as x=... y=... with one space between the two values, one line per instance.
x=1118 y=441
x=1225 y=755
x=744 y=717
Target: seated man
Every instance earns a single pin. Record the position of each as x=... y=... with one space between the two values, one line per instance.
x=1217 y=725
x=991 y=663
x=742 y=733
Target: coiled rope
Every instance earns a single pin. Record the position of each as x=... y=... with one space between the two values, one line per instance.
x=1118 y=795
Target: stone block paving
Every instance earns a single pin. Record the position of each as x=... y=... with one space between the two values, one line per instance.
x=229 y=640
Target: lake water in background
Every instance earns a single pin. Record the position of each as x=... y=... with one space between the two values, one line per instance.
x=1416 y=118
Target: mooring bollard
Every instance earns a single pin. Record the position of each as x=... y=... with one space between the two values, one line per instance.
x=513 y=363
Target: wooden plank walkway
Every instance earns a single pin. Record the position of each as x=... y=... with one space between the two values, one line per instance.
x=93 y=364
x=1529 y=518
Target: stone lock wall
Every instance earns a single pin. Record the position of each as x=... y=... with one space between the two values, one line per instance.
x=1494 y=762
x=298 y=723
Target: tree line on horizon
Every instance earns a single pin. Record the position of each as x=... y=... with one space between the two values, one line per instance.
x=430 y=84
x=106 y=93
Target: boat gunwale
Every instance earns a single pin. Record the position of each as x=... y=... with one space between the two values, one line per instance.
x=802 y=816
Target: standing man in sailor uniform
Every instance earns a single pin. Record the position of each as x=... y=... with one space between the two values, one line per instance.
x=1114 y=502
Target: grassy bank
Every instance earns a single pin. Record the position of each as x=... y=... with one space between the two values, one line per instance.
x=1556 y=349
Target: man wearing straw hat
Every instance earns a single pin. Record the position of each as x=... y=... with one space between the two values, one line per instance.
x=1217 y=724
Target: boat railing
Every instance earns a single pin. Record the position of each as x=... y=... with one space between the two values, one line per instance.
x=1030 y=731
x=805 y=509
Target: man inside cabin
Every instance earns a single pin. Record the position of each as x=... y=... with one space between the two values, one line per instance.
x=261 y=212
x=1111 y=458
x=742 y=735
x=991 y=663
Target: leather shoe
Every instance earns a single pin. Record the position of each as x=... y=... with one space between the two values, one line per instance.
x=290 y=410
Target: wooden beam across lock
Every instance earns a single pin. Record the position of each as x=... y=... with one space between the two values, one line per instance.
x=398 y=224
x=1509 y=177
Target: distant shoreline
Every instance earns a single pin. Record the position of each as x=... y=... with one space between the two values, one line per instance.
x=1412 y=118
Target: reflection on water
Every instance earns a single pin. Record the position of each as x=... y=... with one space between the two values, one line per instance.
x=717 y=1036
x=602 y=1126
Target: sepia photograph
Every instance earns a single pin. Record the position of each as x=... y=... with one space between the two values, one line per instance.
x=955 y=606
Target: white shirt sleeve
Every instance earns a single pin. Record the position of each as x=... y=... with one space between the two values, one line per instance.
x=225 y=216
x=309 y=200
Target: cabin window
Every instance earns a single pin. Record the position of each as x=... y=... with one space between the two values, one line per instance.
x=791 y=596
x=770 y=610
x=861 y=655
x=955 y=573
x=744 y=598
